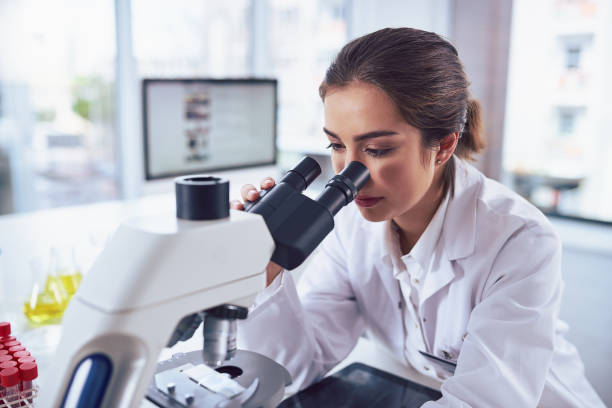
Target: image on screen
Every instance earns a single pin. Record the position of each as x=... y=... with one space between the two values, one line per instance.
x=198 y=125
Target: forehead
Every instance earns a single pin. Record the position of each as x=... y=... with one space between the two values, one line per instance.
x=360 y=105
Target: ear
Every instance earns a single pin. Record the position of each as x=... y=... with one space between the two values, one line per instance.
x=447 y=148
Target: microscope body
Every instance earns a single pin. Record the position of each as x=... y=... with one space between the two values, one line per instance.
x=154 y=271
x=159 y=270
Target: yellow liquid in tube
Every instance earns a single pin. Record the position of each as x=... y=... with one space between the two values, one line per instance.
x=48 y=306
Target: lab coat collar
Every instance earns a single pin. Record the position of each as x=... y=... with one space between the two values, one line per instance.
x=442 y=274
x=460 y=217
x=461 y=212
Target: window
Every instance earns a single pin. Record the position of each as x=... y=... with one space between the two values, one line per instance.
x=56 y=81
x=566 y=122
x=572 y=57
x=570 y=120
x=191 y=38
x=302 y=39
x=556 y=148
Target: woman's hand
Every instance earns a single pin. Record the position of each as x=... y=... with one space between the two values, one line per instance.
x=250 y=193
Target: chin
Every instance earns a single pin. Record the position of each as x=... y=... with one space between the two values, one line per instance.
x=370 y=214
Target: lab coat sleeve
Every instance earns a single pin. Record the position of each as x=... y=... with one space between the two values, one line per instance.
x=308 y=333
x=509 y=345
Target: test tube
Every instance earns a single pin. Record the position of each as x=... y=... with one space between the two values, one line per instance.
x=5 y=330
x=28 y=359
x=9 y=377
x=19 y=354
x=28 y=372
x=15 y=349
x=6 y=357
x=8 y=339
x=9 y=344
x=8 y=364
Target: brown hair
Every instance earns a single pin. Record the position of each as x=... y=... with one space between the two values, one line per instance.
x=421 y=72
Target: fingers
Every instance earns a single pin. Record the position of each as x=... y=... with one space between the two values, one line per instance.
x=249 y=192
x=267 y=183
x=236 y=205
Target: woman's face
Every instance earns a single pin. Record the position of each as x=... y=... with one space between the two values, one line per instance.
x=362 y=123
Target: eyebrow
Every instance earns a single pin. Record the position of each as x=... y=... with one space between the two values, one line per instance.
x=369 y=135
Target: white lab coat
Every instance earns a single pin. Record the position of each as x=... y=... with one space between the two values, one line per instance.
x=492 y=298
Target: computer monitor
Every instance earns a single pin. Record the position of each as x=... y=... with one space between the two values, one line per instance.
x=200 y=125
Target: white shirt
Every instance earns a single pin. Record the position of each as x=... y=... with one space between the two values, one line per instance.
x=490 y=296
x=411 y=271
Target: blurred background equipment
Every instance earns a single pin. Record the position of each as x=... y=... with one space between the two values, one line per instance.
x=198 y=125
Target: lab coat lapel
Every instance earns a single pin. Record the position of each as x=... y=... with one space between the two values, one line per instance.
x=459 y=221
x=440 y=275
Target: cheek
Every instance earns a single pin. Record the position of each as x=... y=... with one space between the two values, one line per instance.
x=393 y=175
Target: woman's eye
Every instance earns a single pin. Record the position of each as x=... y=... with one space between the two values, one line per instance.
x=378 y=152
x=335 y=146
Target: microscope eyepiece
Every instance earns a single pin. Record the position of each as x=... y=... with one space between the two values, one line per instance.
x=302 y=174
x=294 y=181
x=343 y=187
x=201 y=197
x=297 y=223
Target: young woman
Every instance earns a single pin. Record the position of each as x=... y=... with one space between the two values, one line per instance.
x=432 y=256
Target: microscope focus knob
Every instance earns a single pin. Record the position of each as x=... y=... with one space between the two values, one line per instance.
x=229 y=312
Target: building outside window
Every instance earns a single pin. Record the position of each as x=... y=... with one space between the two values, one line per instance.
x=572 y=57
x=556 y=143
x=567 y=122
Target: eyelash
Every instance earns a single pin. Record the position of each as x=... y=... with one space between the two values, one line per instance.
x=372 y=152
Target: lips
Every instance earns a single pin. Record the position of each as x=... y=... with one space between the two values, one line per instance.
x=364 y=201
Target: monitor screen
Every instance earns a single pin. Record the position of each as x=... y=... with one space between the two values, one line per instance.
x=198 y=125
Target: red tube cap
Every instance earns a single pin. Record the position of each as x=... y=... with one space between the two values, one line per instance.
x=8 y=364
x=4 y=352
x=5 y=329
x=9 y=344
x=10 y=377
x=7 y=357
x=7 y=340
x=28 y=371
x=14 y=349
x=28 y=359
x=22 y=353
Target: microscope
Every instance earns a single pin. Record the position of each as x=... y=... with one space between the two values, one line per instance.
x=204 y=263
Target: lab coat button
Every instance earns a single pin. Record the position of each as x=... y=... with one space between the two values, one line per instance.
x=426 y=368
x=416 y=281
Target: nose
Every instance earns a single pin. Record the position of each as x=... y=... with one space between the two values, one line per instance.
x=350 y=157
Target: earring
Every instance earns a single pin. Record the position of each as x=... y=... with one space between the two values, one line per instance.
x=438 y=161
